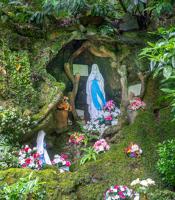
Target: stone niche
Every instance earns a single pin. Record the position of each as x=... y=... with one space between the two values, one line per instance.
x=124 y=54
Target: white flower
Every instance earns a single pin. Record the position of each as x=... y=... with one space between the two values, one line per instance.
x=135 y=182
x=150 y=181
x=134 y=148
x=144 y=183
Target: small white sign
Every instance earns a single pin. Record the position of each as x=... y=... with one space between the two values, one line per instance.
x=80 y=113
x=136 y=89
x=81 y=69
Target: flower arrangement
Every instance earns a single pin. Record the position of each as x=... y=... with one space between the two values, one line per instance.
x=61 y=162
x=76 y=138
x=101 y=146
x=142 y=186
x=110 y=105
x=29 y=158
x=118 y=192
x=107 y=117
x=64 y=104
x=133 y=151
x=136 y=104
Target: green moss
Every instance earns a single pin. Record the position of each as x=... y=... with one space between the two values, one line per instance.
x=113 y=167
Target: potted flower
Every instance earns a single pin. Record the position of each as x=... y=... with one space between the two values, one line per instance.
x=29 y=158
x=135 y=104
x=61 y=162
x=76 y=140
x=133 y=151
x=119 y=192
x=101 y=146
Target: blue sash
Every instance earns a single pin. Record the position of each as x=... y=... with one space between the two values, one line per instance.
x=96 y=92
x=42 y=156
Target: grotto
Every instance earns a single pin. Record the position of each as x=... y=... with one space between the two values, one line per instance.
x=87 y=100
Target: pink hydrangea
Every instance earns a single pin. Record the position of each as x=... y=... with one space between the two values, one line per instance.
x=101 y=145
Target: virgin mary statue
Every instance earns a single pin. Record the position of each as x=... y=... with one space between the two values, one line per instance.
x=41 y=148
x=95 y=92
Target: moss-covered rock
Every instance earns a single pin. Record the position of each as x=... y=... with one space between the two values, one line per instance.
x=113 y=167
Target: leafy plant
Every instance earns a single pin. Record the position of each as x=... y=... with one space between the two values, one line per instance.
x=13 y=124
x=90 y=154
x=162 y=195
x=166 y=162
x=161 y=53
x=162 y=61
x=23 y=189
x=8 y=156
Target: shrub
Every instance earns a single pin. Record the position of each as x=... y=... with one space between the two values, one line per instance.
x=162 y=195
x=13 y=124
x=8 y=156
x=166 y=162
x=25 y=188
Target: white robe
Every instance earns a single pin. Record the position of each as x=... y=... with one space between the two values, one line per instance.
x=40 y=147
x=95 y=74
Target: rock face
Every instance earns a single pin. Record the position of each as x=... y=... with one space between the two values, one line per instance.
x=124 y=54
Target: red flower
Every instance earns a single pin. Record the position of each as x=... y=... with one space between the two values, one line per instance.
x=27 y=161
x=36 y=155
x=24 y=165
x=26 y=149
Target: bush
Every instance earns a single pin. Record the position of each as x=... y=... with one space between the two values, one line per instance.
x=13 y=124
x=8 y=157
x=166 y=162
x=162 y=195
x=25 y=188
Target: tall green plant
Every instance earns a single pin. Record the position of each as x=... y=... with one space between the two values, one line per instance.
x=166 y=162
x=161 y=55
x=25 y=188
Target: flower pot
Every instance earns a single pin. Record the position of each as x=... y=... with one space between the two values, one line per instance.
x=61 y=117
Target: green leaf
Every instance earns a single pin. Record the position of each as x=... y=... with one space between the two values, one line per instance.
x=167 y=71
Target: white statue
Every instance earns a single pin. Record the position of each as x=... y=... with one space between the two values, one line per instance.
x=95 y=92
x=41 y=148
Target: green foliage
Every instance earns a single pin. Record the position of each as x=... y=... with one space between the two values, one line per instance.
x=161 y=53
x=162 y=61
x=162 y=195
x=160 y=7
x=90 y=154
x=166 y=162
x=13 y=124
x=106 y=30
x=18 y=81
x=8 y=157
x=25 y=188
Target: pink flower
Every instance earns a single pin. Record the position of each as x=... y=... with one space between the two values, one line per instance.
x=109 y=118
x=116 y=187
x=65 y=156
x=68 y=163
x=101 y=145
